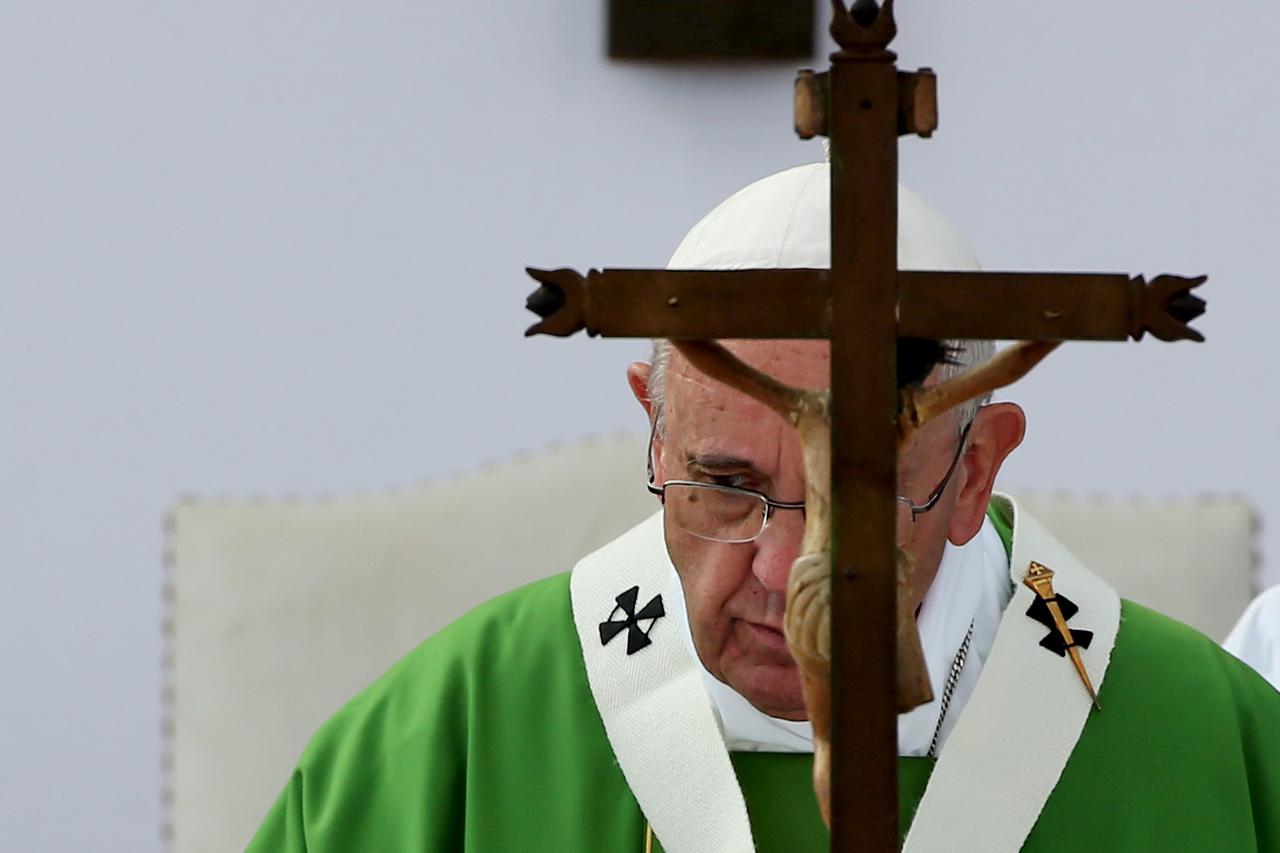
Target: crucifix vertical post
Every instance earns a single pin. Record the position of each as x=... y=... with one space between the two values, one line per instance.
x=863 y=129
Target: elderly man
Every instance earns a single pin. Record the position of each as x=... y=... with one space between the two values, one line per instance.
x=647 y=700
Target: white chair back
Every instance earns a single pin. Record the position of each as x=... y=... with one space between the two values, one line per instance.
x=280 y=611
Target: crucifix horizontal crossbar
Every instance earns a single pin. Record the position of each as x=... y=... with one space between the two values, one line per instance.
x=796 y=303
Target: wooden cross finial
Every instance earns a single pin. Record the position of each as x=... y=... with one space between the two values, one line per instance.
x=865 y=26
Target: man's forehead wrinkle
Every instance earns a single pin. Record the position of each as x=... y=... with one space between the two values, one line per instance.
x=801 y=363
x=794 y=362
x=692 y=393
x=695 y=379
x=689 y=390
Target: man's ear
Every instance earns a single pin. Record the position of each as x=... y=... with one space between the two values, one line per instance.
x=997 y=430
x=638 y=378
x=638 y=374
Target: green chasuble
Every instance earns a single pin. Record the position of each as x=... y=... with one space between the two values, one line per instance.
x=486 y=738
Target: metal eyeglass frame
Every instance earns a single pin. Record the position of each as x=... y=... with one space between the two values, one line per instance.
x=770 y=504
x=936 y=495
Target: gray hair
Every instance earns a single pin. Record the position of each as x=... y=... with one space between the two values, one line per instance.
x=966 y=354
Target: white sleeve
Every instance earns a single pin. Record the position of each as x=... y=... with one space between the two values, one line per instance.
x=1256 y=637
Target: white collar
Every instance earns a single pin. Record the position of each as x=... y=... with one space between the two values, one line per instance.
x=971 y=587
x=745 y=728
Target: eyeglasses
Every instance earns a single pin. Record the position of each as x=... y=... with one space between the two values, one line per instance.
x=915 y=510
x=735 y=515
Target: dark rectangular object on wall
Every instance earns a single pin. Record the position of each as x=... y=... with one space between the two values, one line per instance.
x=690 y=29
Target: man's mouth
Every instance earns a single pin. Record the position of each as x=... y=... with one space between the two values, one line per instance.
x=767 y=635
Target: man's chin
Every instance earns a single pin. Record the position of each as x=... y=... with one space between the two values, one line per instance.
x=772 y=689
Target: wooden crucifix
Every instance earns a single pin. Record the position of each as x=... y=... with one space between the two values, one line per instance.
x=864 y=304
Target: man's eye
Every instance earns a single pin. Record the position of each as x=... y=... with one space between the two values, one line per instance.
x=736 y=481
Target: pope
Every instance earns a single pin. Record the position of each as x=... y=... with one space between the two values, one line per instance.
x=647 y=699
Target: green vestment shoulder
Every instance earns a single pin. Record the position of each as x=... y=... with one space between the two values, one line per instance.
x=1183 y=755
x=486 y=739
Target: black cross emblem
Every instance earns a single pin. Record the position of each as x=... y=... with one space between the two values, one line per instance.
x=637 y=638
x=1039 y=611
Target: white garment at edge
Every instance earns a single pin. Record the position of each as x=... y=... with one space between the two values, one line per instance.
x=1256 y=637
x=972 y=586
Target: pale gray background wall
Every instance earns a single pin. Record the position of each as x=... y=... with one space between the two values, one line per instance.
x=254 y=248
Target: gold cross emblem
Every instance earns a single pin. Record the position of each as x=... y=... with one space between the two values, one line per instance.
x=1040 y=580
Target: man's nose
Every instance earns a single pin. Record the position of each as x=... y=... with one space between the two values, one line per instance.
x=777 y=547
